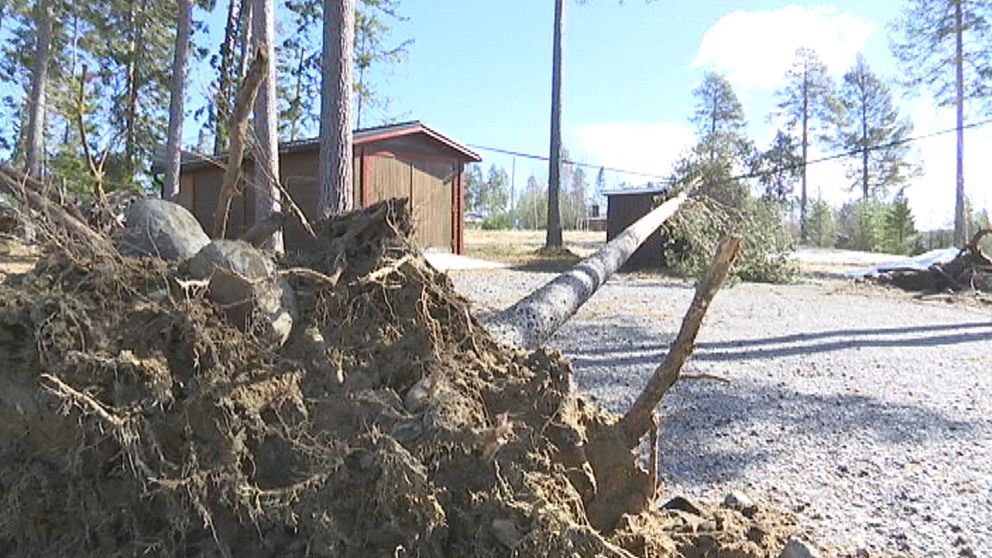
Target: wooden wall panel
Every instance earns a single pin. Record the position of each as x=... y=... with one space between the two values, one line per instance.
x=432 y=183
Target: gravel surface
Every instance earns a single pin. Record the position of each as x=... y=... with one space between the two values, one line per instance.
x=865 y=412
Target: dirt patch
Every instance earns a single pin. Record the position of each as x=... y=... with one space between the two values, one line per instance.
x=135 y=421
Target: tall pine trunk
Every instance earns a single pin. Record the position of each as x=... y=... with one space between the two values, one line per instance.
x=864 y=144
x=335 y=107
x=170 y=190
x=553 y=239
x=35 y=147
x=805 y=147
x=267 y=197
x=131 y=99
x=960 y=219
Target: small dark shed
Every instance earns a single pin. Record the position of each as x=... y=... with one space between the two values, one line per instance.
x=624 y=207
x=408 y=160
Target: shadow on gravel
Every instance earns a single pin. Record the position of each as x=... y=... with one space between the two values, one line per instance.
x=799 y=344
x=713 y=433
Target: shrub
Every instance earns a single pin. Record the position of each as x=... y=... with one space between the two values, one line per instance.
x=821 y=227
x=500 y=221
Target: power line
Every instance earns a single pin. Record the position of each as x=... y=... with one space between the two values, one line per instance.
x=667 y=179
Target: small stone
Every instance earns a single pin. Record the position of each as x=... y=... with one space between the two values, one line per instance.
x=737 y=500
x=682 y=504
x=418 y=396
x=798 y=548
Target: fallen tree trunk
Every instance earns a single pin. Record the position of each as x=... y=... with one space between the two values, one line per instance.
x=535 y=318
x=970 y=269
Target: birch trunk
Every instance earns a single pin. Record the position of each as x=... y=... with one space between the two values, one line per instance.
x=267 y=196
x=335 y=171
x=35 y=147
x=554 y=239
x=170 y=190
x=534 y=319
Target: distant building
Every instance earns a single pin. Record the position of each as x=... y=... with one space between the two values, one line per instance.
x=624 y=207
x=409 y=160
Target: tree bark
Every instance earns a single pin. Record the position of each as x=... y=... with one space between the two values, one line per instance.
x=335 y=108
x=805 y=147
x=534 y=319
x=170 y=190
x=864 y=148
x=133 y=87
x=960 y=219
x=267 y=196
x=35 y=148
x=637 y=421
x=554 y=239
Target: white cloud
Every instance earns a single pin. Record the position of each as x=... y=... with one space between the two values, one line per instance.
x=649 y=147
x=755 y=48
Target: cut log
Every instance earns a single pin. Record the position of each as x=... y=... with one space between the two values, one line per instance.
x=534 y=319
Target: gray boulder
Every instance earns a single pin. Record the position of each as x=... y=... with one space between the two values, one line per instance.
x=244 y=282
x=798 y=548
x=163 y=229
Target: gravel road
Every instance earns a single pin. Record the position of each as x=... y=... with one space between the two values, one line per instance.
x=869 y=414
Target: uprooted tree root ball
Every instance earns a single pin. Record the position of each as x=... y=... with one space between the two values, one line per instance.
x=136 y=422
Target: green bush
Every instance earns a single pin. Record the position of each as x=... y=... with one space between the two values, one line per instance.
x=496 y=222
x=862 y=225
x=692 y=235
x=821 y=228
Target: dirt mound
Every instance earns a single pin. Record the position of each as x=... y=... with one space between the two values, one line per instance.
x=135 y=421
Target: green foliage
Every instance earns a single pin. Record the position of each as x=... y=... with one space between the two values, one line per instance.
x=723 y=205
x=867 y=122
x=900 y=228
x=924 y=42
x=499 y=221
x=532 y=207
x=821 y=227
x=779 y=169
x=692 y=235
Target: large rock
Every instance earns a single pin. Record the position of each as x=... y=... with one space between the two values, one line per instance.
x=244 y=282
x=161 y=228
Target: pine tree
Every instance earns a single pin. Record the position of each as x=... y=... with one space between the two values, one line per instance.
x=553 y=238
x=474 y=188
x=184 y=23
x=719 y=120
x=803 y=102
x=900 y=226
x=779 y=168
x=944 y=46
x=267 y=197
x=37 y=104
x=868 y=122
x=335 y=181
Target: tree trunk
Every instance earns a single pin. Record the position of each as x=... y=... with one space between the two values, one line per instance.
x=864 y=148
x=805 y=147
x=133 y=87
x=267 y=196
x=170 y=190
x=335 y=108
x=534 y=319
x=554 y=165
x=39 y=81
x=960 y=219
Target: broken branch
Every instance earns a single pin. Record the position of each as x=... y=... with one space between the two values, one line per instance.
x=637 y=421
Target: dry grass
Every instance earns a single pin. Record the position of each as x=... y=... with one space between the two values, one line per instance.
x=521 y=248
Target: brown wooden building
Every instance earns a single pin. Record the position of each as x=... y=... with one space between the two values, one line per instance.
x=409 y=160
x=624 y=207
